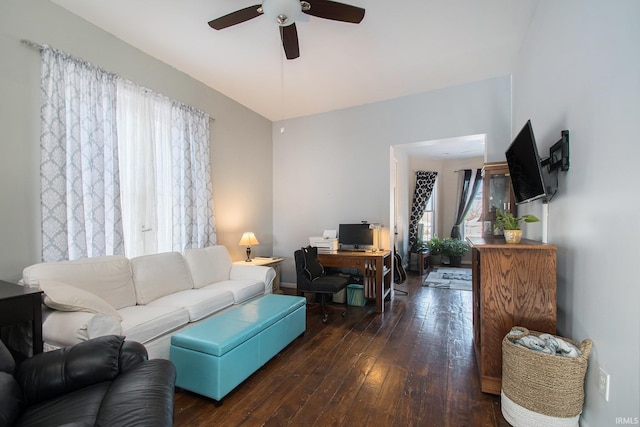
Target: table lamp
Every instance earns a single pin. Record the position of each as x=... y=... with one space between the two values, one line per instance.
x=248 y=239
x=376 y=227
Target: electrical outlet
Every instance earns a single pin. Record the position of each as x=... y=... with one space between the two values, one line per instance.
x=603 y=384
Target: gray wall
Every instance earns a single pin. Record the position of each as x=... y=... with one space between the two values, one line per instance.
x=579 y=69
x=335 y=167
x=241 y=147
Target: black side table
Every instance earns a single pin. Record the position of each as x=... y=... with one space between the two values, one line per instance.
x=19 y=304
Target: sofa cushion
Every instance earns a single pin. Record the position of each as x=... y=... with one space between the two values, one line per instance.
x=208 y=265
x=10 y=392
x=11 y=399
x=143 y=323
x=78 y=408
x=157 y=275
x=199 y=303
x=243 y=290
x=108 y=277
x=63 y=297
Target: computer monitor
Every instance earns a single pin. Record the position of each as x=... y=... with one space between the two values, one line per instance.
x=356 y=235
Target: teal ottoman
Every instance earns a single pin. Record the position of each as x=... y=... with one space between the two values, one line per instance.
x=214 y=356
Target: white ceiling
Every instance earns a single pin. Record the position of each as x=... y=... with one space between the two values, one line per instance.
x=401 y=48
x=451 y=148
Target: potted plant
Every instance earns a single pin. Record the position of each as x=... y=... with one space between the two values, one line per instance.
x=511 y=225
x=454 y=249
x=435 y=250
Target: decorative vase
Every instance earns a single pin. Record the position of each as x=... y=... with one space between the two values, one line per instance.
x=512 y=236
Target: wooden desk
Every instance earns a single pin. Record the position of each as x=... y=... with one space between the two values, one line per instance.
x=20 y=304
x=374 y=266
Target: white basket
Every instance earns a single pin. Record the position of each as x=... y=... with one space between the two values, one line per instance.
x=519 y=416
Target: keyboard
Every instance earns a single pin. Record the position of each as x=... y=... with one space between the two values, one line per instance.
x=352 y=250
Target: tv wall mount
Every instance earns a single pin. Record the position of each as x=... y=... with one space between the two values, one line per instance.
x=558 y=160
x=558 y=154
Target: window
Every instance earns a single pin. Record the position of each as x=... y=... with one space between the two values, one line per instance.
x=472 y=224
x=124 y=170
x=164 y=173
x=427 y=224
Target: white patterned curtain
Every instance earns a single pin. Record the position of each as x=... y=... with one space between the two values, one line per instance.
x=165 y=173
x=81 y=215
x=193 y=223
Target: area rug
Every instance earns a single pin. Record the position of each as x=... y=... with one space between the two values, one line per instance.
x=449 y=278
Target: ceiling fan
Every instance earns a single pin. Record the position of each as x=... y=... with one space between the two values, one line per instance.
x=285 y=12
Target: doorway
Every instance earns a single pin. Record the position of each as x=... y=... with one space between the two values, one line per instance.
x=445 y=156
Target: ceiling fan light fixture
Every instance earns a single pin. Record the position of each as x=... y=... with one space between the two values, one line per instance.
x=282 y=12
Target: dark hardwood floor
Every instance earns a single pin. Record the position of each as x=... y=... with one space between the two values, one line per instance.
x=411 y=366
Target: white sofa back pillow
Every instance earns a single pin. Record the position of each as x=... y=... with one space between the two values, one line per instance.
x=108 y=277
x=157 y=275
x=64 y=297
x=208 y=265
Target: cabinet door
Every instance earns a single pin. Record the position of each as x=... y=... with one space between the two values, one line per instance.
x=497 y=194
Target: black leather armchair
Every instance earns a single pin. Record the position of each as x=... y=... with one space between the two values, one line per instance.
x=311 y=278
x=106 y=381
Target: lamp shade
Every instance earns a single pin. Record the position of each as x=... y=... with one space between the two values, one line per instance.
x=248 y=239
x=282 y=12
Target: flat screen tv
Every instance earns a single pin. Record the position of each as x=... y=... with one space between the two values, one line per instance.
x=525 y=167
x=356 y=235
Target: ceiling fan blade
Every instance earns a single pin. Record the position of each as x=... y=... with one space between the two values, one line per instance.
x=289 y=36
x=236 y=17
x=336 y=11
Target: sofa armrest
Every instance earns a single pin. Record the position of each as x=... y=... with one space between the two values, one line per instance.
x=61 y=371
x=66 y=328
x=258 y=273
x=132 y=354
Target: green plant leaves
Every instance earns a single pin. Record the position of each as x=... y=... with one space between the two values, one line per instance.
x=507 y=221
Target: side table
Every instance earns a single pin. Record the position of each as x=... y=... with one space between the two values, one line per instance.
x=423 y=262
x=267 y=262
x=20 y=304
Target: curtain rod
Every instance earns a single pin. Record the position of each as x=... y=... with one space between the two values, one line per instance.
x=37 y=46
x=31 y=44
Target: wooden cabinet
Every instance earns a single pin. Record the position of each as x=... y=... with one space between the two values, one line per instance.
x=513 y=285
x=497 y=193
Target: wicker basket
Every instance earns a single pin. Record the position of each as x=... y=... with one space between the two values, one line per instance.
x=543 y=383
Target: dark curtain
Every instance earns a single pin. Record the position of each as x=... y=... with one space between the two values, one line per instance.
x=468 y=190
x=424 y=187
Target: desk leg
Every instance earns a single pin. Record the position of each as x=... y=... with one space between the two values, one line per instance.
x=379 y=286
x=36 y=324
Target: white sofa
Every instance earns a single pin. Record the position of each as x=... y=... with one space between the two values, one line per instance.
x=146 y=298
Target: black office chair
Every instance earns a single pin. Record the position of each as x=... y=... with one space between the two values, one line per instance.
x=311 y=278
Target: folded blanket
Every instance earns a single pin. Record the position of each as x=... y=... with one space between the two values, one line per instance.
x=546 y=343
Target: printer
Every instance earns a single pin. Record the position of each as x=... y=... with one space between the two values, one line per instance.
x=324 y=244
x=328 y=242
